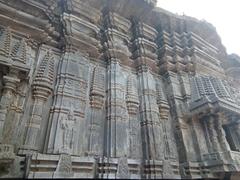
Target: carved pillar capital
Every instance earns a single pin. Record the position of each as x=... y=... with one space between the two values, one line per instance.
x=10 y=83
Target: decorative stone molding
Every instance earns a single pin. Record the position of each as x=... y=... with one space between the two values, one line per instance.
x=139 y=92
x=5 y=42
x=43 y=82
x=131 y=97
x=97 y=92
x=122 y=170
x=19 y=52
x=81 y=34
x=64 y=167
x=6 y=153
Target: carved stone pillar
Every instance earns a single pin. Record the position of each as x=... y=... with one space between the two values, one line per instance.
x=12 y=57
x=213 y=134
x=207 y=136
x=221 y=133
x=10 y=85
x=144 y=53
x=117 y=53
x=64 y=167
x=116 y=113
x=95 y=132
x=34 y=125
x=168 y=144
x=135 y=145
x=42 y=88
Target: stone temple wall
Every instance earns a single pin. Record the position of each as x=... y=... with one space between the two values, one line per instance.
x=114 y=89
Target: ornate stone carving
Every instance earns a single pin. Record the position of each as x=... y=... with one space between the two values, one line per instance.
x=122 y=170
x=64 y=167
x=213 y=135
x=5 y=42
x=19 y=52
x=97 y=92
x=221 y=134
x=131 y=97
x=6 y=154
x=10 y=84
x=114 y=89
x=42 y=88
x=43 y=82
x=7 y=158
x=68 y=132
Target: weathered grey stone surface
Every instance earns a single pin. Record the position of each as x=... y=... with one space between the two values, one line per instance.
x=115 y=89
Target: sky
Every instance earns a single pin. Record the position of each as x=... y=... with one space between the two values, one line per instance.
x=223 y=14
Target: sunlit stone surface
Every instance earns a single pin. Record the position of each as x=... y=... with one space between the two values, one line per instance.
x=115 y=89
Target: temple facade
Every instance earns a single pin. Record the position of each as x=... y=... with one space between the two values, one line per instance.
x=115 y=89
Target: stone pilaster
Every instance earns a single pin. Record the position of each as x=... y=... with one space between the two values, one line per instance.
x=221 y=133
x=213 y=134
x=135 y=144
x=144 y=55
x=42 y=88
x=97 y=103
x=10 y=85
x=117 y=53
x=168 y=144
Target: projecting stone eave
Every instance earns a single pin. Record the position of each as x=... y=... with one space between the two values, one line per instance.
x=209 y=103
x=40 y=27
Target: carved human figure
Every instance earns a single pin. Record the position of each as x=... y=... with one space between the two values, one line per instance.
x=134 y=143
x=68 y=132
